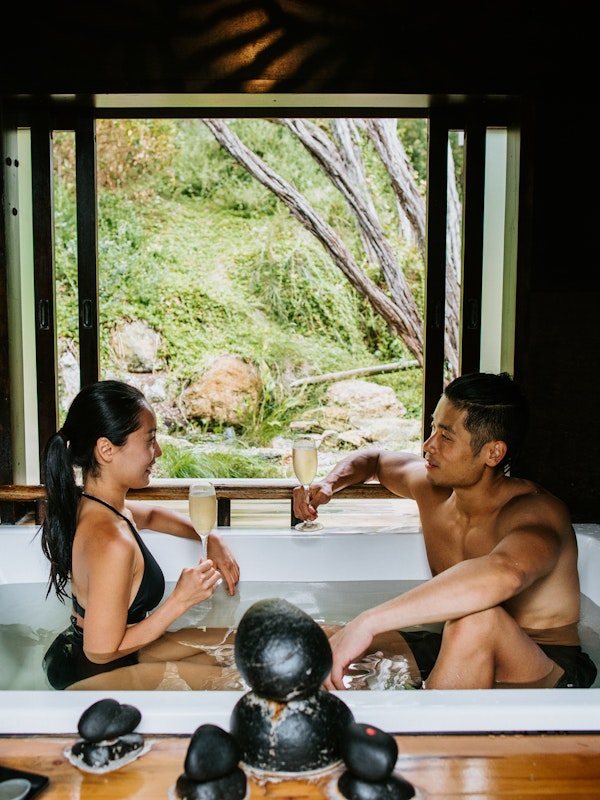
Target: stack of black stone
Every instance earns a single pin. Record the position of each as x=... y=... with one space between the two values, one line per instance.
x=108 y=740
x=211 y=767
x=370 y=756
x=287 y=723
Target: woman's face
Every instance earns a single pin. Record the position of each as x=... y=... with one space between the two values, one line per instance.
x=137 y=456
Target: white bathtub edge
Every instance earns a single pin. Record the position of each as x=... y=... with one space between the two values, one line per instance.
x=180 y=713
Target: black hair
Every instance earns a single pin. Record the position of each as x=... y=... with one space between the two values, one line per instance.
x=105 y=408
x=496 y=411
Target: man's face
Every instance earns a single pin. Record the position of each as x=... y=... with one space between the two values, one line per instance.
x=450 y=459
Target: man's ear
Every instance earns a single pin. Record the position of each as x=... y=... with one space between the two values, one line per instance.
x=104 y=450
x=496 y=452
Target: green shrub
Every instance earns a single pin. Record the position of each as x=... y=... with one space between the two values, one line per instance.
x=195 y=462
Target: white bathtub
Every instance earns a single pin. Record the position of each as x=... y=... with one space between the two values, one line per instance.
x=297 y=559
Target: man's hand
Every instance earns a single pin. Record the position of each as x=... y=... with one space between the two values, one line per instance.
x=306 y=503
x=347 y=645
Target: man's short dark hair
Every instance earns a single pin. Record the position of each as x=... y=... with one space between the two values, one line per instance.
x=496 y=410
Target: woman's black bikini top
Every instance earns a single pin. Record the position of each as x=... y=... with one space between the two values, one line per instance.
x=151 y=588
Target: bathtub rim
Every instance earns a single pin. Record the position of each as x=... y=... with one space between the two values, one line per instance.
x=434 y=711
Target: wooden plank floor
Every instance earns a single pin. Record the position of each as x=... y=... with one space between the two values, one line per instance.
x=478 y=767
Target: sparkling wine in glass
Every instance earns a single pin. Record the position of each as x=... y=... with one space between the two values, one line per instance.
x=203 y=510
x=305 y=462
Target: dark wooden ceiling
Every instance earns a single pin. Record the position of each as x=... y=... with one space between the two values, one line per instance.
x=437 y=48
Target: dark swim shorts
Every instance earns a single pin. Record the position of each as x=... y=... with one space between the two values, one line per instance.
x=65 y=662
x=579 y=669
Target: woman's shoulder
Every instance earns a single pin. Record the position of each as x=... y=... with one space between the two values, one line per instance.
x=101 y=529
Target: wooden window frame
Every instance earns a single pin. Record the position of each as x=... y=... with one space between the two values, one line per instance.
x=441 y=122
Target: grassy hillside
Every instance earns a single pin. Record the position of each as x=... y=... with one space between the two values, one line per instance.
x=193 y=245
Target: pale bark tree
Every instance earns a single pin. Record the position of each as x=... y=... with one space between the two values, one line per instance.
x=339 y=156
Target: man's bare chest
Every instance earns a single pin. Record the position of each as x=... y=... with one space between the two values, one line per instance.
x=447 y=545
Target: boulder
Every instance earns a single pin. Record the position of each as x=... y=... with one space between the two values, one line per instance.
x=353 y=401
x=359 y=413
x=227 y=392
x=136 y=346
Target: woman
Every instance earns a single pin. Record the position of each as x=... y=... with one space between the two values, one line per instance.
x=90 y=536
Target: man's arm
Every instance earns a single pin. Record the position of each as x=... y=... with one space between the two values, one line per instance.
x=396 y=471
x=465 y=588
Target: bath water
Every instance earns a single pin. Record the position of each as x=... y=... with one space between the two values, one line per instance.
x=29 y=623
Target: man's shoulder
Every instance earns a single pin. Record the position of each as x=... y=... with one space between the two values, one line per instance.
x=529 y=500
x=527 y=491
x=402 y=472
x=397 y=462
x=410 y=479
x=392 y=462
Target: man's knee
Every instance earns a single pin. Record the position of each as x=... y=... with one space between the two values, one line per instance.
x=476 y=627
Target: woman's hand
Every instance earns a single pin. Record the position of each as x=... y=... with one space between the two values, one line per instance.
x=196 y=584
x=223 y=559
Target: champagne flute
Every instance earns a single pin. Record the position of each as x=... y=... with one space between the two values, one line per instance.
x=203 y=510
x=305 y=461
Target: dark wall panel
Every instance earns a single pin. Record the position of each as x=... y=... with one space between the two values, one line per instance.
x=561 y=379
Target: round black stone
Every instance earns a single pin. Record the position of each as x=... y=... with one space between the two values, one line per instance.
x=298 y=736
x=212 y=753
x=392 y=788
x=108 y=719
x=280 y=651
x=368 y=752
x=228 y=787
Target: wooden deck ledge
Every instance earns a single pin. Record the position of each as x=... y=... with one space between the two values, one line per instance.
x=17 y=499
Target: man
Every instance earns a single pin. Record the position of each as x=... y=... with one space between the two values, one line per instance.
x=502 y=552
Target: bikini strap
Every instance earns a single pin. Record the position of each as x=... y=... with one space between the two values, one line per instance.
x=108 y=505
x=152 y=586
x=79 y=609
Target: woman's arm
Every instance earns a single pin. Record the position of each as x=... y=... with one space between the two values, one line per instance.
x=161 y=519
x=165 y=520
x=111 y=568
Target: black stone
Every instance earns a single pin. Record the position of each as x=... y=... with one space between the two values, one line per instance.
x=212 y=753
x=108 y=719
x=368 y=752
x=298 y=736
x=97 y=755
x=280 y=651
x=228 y=787
x=393 y=788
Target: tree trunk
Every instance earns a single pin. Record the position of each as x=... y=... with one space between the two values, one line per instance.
x=327 y=156
x=341 y=160
x=353 y=373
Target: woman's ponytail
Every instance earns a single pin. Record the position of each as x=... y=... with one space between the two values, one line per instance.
x=58 y=529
